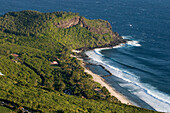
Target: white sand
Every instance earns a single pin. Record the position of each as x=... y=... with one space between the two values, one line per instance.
x=100 y=80
x=112 y=91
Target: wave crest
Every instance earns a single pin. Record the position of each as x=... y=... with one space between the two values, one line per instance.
x=144 y=91
x=133 y=43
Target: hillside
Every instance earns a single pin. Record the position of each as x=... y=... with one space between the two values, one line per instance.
x=31 y=41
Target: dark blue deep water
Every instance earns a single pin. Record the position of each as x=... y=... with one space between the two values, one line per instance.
x=144 y=63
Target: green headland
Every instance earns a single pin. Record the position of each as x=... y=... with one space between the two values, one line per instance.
x=39 y=75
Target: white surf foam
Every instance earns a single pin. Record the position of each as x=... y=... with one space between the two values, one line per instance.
x=126 y=37
x=119 y=46
x=158 y=100
x=129 y=43
x=133 y=43
x=97 y=51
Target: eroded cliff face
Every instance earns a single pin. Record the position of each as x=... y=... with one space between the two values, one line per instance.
x=100 y=29
x=82 y=22
x=68 y=23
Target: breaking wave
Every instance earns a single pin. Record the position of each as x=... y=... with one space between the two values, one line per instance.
x=156 y=99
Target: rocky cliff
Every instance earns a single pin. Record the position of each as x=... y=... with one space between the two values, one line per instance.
x=68 y=23
x=102 y=27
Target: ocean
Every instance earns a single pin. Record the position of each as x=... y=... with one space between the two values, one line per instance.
x=142 y=66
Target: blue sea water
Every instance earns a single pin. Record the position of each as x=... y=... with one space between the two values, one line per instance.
x=143 y=64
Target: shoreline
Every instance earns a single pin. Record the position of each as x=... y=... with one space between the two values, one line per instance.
x=113 y=92
x=97 y=78
x=115 y=89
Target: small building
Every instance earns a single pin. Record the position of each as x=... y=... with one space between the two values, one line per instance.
x=1 y=74
x=2 y=103
x=54 y=63
x=14 y=55
x=82 y=97
x=14 y=61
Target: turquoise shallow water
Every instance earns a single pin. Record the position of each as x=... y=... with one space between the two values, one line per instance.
x=144 y=64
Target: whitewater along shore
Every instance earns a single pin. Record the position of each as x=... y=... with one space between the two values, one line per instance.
x=99 y=79
x=112 y=91
x=110 y=83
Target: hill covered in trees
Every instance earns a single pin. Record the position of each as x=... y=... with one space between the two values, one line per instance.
x=30 y=41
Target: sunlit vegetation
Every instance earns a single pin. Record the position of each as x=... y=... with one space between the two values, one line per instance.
x=4 y=110
x=29 y=42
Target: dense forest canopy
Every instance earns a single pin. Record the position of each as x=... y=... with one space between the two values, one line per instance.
x=30 y=41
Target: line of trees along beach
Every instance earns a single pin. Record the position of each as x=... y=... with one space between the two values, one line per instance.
x=31 y=41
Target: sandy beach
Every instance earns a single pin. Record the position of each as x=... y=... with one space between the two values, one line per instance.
x=112 y=91
x=99 y=79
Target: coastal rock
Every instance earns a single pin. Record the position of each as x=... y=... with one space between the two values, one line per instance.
x=106 y=28
x=102 y=27
x=98 y=26
x=68 y=23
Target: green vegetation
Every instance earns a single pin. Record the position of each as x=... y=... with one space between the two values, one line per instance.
x=4 y=110
x=97 y=23
x=29 y=42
